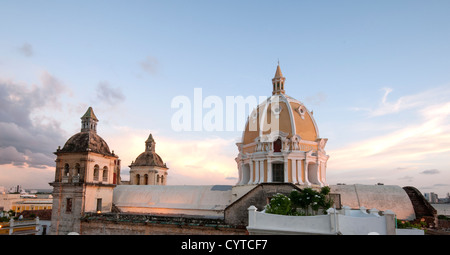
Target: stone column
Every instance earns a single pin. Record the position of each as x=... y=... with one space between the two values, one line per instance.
x=239 y=182
x=286 y=170
x=294 y=171
x=261 y=171
x=257 y=167
x=305 y=169
x=269 y=171
x=319 y=173
x=250 y=181
x=299 y=171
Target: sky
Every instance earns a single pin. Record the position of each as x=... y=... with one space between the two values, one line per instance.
x=375 y=73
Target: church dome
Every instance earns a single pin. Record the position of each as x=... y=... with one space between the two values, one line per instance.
x=280 y=114
x=281 y=142
x=86 y=142
x=148 y=158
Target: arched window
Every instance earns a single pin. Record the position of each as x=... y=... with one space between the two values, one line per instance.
x=96 y=172
x=76 y=173
x=105 y=174
x=77 y=169
x=162 y=180
x=66 y=170
x=138 y=179
x=277 y=145
x=146 y=179
x=157 y=179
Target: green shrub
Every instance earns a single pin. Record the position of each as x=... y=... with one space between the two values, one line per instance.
x=300 y=203
x=279 y=204
x=309 y=199
x=408 y=224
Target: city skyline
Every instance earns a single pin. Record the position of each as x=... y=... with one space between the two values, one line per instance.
x=376 y=76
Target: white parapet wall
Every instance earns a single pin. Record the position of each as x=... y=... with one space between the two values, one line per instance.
x=265 y=223
x=342 y=222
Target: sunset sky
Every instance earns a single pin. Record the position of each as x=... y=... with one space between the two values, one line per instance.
x=375 y=73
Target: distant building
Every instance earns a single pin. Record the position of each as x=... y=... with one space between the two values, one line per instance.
x=431 y=197
x=19 y=203
x=16 y=189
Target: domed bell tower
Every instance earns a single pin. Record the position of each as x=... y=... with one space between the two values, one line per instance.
x=148 y=168
x=86 y=174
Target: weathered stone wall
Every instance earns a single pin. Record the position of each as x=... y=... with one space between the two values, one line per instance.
x=63 y=221
x=422 y=208
x=138 y=224
x=236 y=214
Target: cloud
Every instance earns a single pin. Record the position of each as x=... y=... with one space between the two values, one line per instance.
x=441 y=185
x=406 y=178
x=425 y=135
x=26 y=49
x=28 y=177
x=430 y=171
x=10 y=155
x=150 y=65
x=27 y=139
x=106 y=93
x=386 y=107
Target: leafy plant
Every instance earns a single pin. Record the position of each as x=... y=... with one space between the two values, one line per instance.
x=279 y=204
x=309 y=199
x=300 y=203
x=408 y=224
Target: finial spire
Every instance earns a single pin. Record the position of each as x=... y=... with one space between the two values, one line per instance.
x=150 y=144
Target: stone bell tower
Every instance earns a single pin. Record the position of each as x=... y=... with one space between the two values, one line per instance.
x=86 y=174
x=148 y=168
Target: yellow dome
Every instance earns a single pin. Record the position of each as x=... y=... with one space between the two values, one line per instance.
x=280 y=115
x=289 y=116
x=281 y=142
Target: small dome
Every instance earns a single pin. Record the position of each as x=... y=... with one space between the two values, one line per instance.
x=86 y=141
x=149 y=158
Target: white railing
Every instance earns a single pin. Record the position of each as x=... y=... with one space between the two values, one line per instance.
x=345 y=222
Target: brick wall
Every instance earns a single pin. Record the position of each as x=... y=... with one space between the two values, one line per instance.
x=134 y=224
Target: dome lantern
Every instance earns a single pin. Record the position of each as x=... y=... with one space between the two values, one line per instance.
x=278 y=81
x=89 y=121
x=150 y=144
